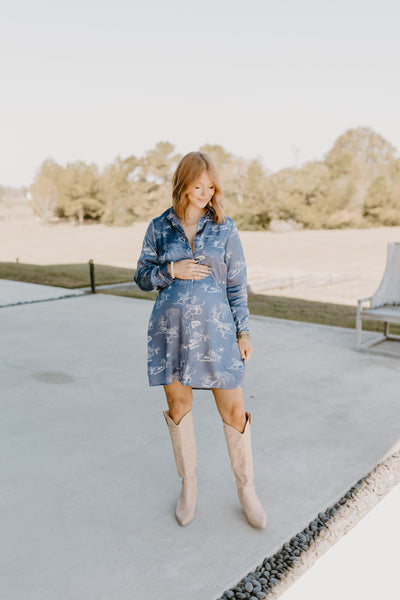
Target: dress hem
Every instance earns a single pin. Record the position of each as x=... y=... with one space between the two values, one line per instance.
x=194 y=387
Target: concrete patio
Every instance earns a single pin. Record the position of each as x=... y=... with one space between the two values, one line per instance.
x=89 y=483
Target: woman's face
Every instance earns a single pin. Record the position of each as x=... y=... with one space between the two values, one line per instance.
x=202 y=191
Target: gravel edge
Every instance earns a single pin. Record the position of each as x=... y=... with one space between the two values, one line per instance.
x=279 y=571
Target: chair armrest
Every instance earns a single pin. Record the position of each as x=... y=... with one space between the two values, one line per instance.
x=365 y=299
x=360 y=302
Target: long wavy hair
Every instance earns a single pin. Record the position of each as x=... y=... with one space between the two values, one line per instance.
x=189 y=170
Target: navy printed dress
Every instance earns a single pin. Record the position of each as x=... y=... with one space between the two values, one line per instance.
x=193 y=324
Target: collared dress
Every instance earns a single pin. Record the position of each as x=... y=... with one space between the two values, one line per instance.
x=193 y=324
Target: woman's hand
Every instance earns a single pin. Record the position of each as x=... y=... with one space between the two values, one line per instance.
x=245 y=348
x=188 y=268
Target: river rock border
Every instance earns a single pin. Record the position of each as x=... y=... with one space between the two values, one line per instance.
x=279 y=571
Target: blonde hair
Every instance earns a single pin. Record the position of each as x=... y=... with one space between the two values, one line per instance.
x=190 y=168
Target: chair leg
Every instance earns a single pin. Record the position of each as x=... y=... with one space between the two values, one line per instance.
x=358 y=329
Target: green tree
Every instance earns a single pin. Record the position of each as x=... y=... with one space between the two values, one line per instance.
x=79 y=192
x=117 y=192
x=45 y=190
x=308 y=192
x=152 y=180
x=356 y=184
x=382 y=204
x=359 y=156
x=257 y=207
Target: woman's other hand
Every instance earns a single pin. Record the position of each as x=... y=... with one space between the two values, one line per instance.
x=245 y=349
x=188 y=268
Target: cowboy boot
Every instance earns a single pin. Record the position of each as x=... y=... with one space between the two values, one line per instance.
x=184 y=447
x=239 y=448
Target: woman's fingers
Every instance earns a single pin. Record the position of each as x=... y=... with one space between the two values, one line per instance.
x=245 y=349
x=199 y=271
x=191 y=269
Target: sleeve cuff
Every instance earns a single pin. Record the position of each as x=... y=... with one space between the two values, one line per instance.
x=165 y=274
x=244 y=333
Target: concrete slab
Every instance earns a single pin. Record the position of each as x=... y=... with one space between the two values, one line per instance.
x=89 y=484
x=19 y=292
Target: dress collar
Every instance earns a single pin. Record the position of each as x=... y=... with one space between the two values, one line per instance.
x=175 y=220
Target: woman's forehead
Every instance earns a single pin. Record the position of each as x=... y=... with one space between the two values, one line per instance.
x=205 y=178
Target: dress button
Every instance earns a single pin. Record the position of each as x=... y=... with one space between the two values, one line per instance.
x=200 y=257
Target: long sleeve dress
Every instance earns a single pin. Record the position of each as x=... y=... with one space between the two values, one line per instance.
x=193 y=324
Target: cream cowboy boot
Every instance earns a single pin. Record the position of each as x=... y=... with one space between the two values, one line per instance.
x=239 y=447
x=184 y=446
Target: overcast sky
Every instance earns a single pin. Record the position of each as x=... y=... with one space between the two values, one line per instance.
x=279 y=80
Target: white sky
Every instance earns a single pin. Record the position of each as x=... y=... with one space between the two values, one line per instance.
x=93 y=79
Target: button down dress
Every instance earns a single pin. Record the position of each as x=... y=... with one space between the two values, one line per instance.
x=193 y=324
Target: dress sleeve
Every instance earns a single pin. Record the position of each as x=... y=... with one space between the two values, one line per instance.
x=150 y=275
x=236 y=285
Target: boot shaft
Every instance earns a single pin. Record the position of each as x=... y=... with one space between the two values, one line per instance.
x=240 y=452
x=183 y=444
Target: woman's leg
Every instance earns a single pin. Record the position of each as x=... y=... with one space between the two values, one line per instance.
x=230 y=406
x=237 y=425
x=180 y=400
x=179 y=419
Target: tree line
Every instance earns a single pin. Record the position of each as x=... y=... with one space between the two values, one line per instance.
x=356 y=184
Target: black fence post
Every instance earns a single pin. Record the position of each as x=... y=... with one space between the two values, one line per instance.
x=92 y=280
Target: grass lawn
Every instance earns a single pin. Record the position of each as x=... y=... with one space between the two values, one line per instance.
x=294 y=309
x=279 y=307
x=68 y=276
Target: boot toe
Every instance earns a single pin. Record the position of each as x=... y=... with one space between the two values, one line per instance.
x=184 y=518
x=185 y=515
x=252 y=507
x=258 y=519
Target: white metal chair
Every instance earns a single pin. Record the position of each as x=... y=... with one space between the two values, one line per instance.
x=384 y=305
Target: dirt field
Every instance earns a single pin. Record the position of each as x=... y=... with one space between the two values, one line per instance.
x=334 y=266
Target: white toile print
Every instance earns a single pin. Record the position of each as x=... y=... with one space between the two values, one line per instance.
x=193 y=324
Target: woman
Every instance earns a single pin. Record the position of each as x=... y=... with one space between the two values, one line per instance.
x=198 y=336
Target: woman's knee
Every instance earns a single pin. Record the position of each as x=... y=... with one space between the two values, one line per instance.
x=179 y=400
x=231 y=407
x=235 y=416
x=177 y=410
